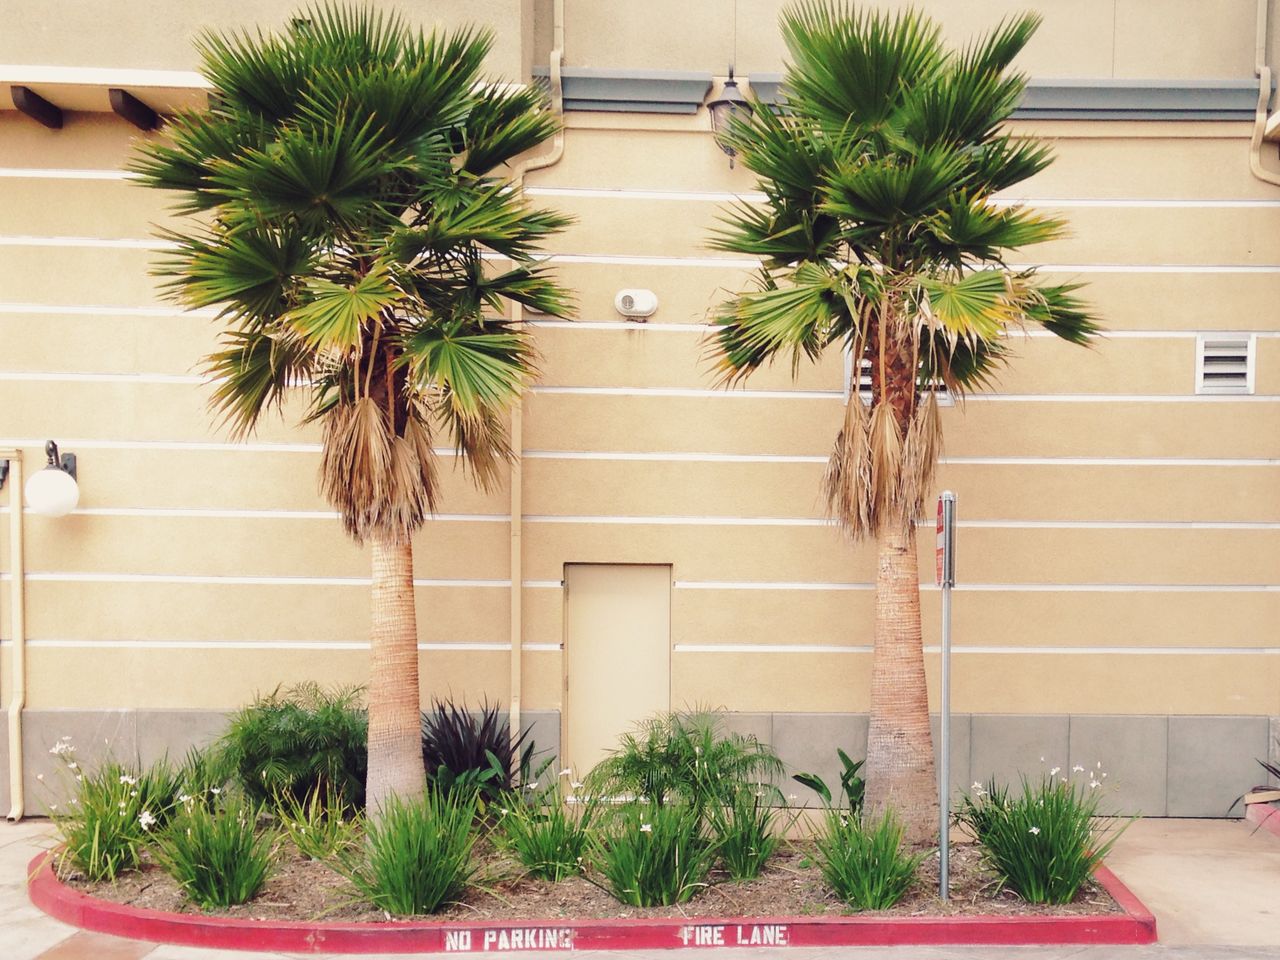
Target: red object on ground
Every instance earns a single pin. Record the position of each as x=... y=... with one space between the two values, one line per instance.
x=1134 y=925
x=1264 y=815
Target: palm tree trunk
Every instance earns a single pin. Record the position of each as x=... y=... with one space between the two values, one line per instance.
x=899 y=769
x=395 y=746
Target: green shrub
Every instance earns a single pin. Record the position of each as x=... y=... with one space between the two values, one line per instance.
x=102 y=827
x=864 y=863
x=852 y=786
x=417 y=853
x=297 y=741
x=215 y=851
x=686 y=757
x=205 y=769
x=474 y=753
x=1044 y=840
x=653 y=854
x=321 y=828
x=743 y=830
x=548 y=836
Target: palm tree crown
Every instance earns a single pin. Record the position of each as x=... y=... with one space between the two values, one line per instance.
x=881 y=234
x=345 y=179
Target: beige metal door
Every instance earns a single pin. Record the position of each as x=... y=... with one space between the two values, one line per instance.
x=617 y=654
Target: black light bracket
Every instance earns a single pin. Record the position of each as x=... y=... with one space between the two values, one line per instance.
x=65 y=461
x=4 y=473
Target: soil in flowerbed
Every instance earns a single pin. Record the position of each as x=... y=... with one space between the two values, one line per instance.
x=791 y=885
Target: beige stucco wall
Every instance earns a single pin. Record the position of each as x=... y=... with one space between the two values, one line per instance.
x=1120 y=536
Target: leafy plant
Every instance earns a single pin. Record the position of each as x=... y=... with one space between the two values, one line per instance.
x=216 y=852
x=653 y=854
x=297 y=741
x=864 y=863
x=205 y=769
x=472 y=752
x=852 y=785
x=321 y=827
x=1044 y=840
x=1272 y=769
x=548 y=836
x=101 y=827
x=744 y=835
x=686 y=757
x=417 y=853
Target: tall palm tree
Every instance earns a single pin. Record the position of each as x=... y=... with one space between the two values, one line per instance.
x=880 y=235
x=349 y=199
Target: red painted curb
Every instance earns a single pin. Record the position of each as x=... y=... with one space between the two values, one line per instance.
x=1135 y=925
x=1264 y=815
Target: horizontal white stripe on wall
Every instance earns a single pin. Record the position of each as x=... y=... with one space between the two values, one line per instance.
x=23 y=240
x=681 y=392
x=222 y=513
x=211 y=580
x=713 y=196
x=662 y=456
x=959 y=650
x=465 y=645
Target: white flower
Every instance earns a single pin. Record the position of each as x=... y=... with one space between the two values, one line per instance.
x=146 y=820
x=79 y=777
x=976 y=786
x=125 y=778
x=1077 y=769
x=133 y=793
x=1094 y=784
x=1042 y=759
x=185 y=798
x=39 y=776
x=73 y=765
x=74 y=800
x=53 y=806
x=504 y=811
x=1034 y=831
x=575 y=785
x=532 y=786
x=646 y=828
x=792 y=796
x=64 y=739
x=215 y=790
x=1054 y=771
x=566 y=772
x=1099 y=764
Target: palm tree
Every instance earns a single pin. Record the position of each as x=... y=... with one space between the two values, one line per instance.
x=346 y=182
x=880 y=236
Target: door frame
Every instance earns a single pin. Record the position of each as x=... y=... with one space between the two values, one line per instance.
x=564 y=637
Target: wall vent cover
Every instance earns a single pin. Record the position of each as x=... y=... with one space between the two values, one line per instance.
x=864 y=386
x=1224 y=363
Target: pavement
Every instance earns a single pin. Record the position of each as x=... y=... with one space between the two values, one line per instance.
x=1214 y=886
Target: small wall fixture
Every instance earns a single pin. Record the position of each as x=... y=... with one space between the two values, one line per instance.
x=53 y=491
x=722 y=109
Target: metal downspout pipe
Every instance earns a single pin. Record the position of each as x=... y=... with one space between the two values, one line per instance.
x=18 y=641
x=517 y=411
x=1263 y=72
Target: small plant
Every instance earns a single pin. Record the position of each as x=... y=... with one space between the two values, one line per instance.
x=744 y=833
x=417 y=853
x=547 y=836
x=297 y=741
x=653 y=854
x=205 y=769
x=215 y=851
x=461 y=750
x=864 y=863
x=852 y=785
x=103 y=825
x=686 y=757
x=321 y=828
x=1043 y=840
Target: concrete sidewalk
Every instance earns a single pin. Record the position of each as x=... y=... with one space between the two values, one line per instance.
x=1213 y=885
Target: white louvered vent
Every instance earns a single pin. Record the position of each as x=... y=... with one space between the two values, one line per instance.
x=864 y=385
x=1224 y=363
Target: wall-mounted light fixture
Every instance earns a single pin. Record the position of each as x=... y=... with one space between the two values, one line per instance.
x=722 y=109
x=53 y=491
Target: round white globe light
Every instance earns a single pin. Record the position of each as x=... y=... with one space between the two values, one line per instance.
x=52 y=492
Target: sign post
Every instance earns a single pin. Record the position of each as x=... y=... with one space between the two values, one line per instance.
x=945 y=564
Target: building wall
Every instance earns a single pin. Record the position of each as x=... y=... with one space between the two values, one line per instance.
x=1119 y=539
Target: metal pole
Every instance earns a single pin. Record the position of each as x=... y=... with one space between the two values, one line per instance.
x=947 y=513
